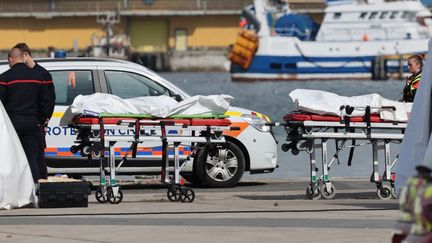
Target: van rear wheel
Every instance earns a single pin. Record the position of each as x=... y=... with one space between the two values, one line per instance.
x=221 y=168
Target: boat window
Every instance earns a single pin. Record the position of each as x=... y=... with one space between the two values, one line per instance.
x=412 y=16
x=363 y=15
x=394 y=14
x=337 y=15
x=405 y=15
x=275 y=65
x=383 y=15
x=373 y=15
x=290 y=65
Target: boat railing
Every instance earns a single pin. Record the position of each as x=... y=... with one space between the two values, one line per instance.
x=82 y=7
x=293 y=31
x=366 y=34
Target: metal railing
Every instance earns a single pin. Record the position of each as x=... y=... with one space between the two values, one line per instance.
x=62 y=6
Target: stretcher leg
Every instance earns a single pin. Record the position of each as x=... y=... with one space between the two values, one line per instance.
x=313 y=190
x=176 y=191
x=375 y=174
x=176 y=164
x=388 y=175
x=387 y=161
x=165 y=163
x=328 y=190
x=101 y=191
x=383 y=191
x=115 y=196
x=165 y=159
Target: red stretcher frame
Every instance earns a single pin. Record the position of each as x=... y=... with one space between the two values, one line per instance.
x=176 y=191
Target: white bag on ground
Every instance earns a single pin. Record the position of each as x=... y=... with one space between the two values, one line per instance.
x=16 y=181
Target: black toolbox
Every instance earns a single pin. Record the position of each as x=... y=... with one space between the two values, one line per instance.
x=63 y=194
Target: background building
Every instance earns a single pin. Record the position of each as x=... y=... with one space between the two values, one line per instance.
x=145 y=26
x=175 y=34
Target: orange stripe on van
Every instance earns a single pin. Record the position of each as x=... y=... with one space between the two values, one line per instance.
x=235 y=133
x=64 y=154
x=144 y=149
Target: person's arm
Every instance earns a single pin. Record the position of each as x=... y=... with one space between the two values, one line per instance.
x=46 y=99
x=3 y=88
x=51 y=93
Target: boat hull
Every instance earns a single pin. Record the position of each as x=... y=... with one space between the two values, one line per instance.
x=281 y=58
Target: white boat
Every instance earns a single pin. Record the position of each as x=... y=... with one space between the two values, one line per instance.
x=352 y=37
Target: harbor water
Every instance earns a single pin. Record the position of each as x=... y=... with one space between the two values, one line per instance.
x=271 y=98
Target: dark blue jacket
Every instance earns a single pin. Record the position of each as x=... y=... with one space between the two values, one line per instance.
x=25 y=91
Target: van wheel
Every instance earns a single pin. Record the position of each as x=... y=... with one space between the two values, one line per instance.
x=221 y=168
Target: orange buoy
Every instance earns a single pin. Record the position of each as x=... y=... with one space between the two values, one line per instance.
x=243 y=51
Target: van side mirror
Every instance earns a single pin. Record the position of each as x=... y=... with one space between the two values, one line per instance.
x=177 y=97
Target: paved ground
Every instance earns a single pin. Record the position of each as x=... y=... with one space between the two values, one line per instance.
x=255 y=211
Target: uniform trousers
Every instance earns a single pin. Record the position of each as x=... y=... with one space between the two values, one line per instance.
x=30 y=137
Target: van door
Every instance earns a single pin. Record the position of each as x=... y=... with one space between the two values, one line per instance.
x=68 y=84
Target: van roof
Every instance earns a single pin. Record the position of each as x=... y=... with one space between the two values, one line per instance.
x=72 y=59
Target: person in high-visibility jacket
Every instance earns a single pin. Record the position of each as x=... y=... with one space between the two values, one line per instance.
x=407 y=198
x=415 y=65
x=421 y=230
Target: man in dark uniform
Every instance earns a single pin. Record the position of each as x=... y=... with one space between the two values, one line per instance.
x=25 y=97
x=51 y=95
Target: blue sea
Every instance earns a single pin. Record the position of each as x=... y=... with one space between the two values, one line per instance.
x=271 y=98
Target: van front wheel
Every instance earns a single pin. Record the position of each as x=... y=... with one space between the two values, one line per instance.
x=223 y=167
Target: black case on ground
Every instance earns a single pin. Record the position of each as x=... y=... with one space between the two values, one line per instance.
x=63 y=194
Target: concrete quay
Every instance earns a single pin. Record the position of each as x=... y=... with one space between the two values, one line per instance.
x=254 y=211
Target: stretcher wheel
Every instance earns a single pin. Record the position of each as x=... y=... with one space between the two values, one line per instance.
x=307 y=130
x=115 y=199
x=95 y=134
x=100 y=197
x=313 y=194
x=97 y=155
x=95 y=150
x=74 y=149
x=285 y=147
x=384 y=192
x=173 y=193
x=295 y=151
x=393 y=192
x=186 y=195
x=85 y=151
x=328 y=195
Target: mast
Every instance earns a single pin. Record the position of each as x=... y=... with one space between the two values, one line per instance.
x=261 y=15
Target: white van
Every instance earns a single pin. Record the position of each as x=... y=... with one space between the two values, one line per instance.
x=252 y=148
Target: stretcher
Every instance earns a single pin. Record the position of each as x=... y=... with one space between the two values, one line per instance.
x=197 y=131
x=309 y=132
